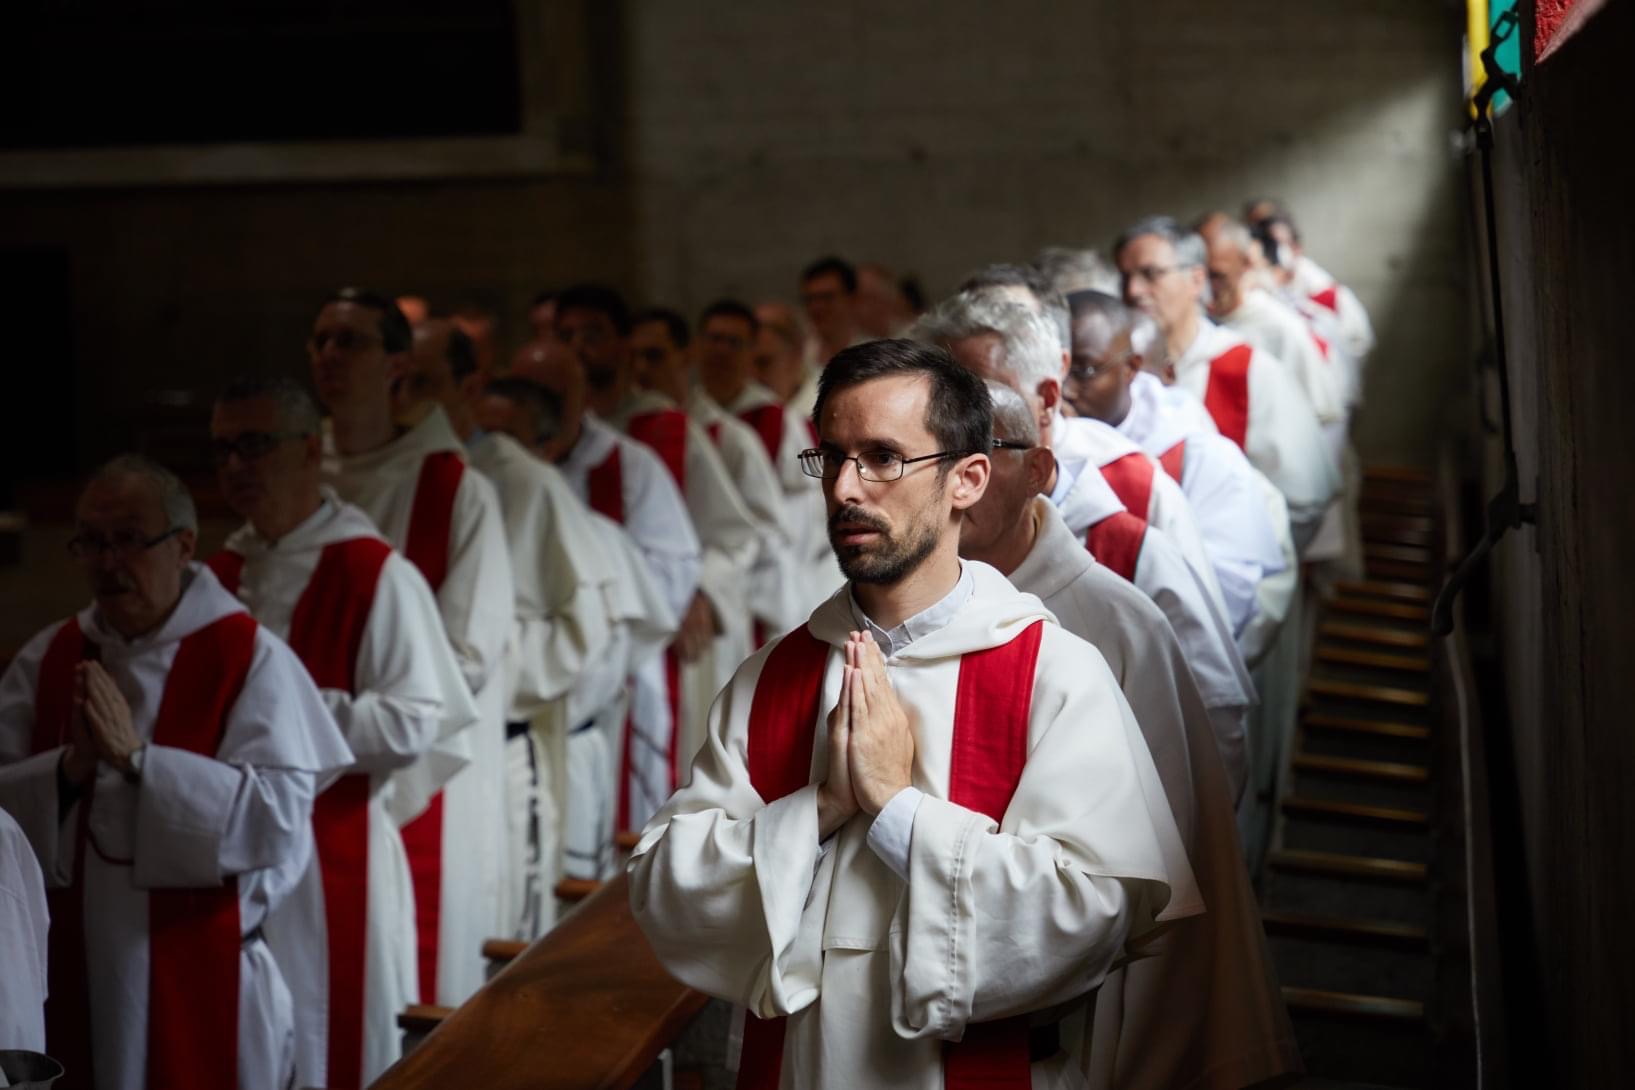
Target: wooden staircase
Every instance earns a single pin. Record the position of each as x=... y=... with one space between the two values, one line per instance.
x=1348 y=891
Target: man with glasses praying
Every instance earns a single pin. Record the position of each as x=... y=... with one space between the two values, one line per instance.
x=314 y=570
x=413 y=483
x=162 y=750
x=924 y=825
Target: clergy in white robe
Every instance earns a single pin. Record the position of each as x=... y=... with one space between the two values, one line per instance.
x=1205 y=1010
x=24 y=923
x=316 y=573
x=935 y=879
x=1254 y=400
x=162 y=751
x=415 y=485
x=1111 y=345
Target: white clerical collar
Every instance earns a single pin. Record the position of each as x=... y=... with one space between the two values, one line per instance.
x=922 y=623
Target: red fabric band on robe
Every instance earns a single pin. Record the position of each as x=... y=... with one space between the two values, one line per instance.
x=989 y=752
x=427 y=546
x=228 y=568
x=1329 y=297
x=605 y=485
x=1322 y=344
x=1174 y=460
x=768 y=421
x=1115 y=542
x=713 y=430
x=1227 y=395
x=1130 y=478
x=666 y=432
x=326 y=633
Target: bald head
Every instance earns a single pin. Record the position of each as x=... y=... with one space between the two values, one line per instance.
x=1230 y=261
x=443 y=370
x=556 y=367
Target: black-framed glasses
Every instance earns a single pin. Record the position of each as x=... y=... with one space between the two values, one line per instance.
x=250 y=445
x=123 y=545
x=1012 y=444
x=880 y=466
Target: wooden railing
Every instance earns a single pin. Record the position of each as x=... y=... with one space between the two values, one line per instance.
x=587 y=1006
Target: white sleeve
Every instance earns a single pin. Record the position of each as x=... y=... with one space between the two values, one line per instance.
x=657 y=520
x=1286 y=441
x=476 y=600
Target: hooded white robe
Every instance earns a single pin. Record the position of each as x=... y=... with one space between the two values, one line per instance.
x=1206 y=1010
x=407 y=693
x=477 y=603
x=187 y=822
x=24 y=922
x=1275 y=328
x=740 y=900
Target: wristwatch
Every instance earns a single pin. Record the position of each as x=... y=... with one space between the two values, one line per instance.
x=133 y=764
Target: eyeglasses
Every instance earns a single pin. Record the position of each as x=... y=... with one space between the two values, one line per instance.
x=1011 y=444
x=1085 y=372
x=1150 y=273
x=879 y=466
x=344 y=340
x=250 y=445
x=123 y=545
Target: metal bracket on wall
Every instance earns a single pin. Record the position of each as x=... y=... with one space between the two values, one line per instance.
x=1505 y=511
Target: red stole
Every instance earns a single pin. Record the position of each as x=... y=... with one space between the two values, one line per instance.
x=431 y=523
x=194 y=936
x=1227 y=395
x=605 y=485
x=1130 y=478
x=326 y=633
x=768 y=423
x=665 y=430
x=1329 y=297
x=1116 y=541
x=1174 y=460
x=987 y=754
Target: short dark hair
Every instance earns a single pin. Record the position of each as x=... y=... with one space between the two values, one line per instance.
x=598 y=297
x=730 y=308
x=959 y=414
x=395 y=334
x=832 y=264
x=461 y=353
x=546 y=296
x=296 y=407
x=675 y=323
x=543 y=406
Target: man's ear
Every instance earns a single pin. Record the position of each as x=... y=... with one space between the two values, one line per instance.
x=397 y=369
x=1037 y=466
x=1133 y=368
x=312 y=452
x=1050 y=396
x=1199 y=279
x=471 y=387
x=187 y=541
x=970 y=480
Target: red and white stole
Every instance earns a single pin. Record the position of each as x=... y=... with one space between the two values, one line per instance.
x=1174 y=460
x=1130 y=478
x=605 y=489
x=326 y=633
x=1329 y=297
x=194 y=936
x=1116 y=541
x=665 y=430
x=1227 y=395
x=987 y=754
x=768 y=422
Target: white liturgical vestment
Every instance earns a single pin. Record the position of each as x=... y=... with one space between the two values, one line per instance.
x=860 y=959
x=162 y=880
x=1205 y=1010
x=1277 y=329
x=446 y=520
x=24 y=921
x=1315 y=283
x=345 y=938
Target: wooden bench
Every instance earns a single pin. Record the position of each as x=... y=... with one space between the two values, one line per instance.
x=588 y=1005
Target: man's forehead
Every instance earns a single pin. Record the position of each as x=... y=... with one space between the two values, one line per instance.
x=1144 y=248
x=892 y=406
x=646 y=334
x=242 y=414
x=581 y=316
x=340 y=312
x=119 y=498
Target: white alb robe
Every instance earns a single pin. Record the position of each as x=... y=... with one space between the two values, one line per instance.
x=1282 y=435
x=24 y=921
x=1221 y=486
x=1315 y=283
x=477 y=603
x=1206 y=1010
x=740 y=900
x=406 y=694
x=1275 y=328
x=1162 y=574
x=187 y=822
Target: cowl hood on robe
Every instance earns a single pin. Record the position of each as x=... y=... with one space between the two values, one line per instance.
x=362 y=476
x=1090 y=499
x=1161 y=416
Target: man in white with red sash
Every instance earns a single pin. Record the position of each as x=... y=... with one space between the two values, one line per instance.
x=1254 y=400
x=361 y=618
x=162 y=751
x=1107 y=382
x=624 y=481
x=715 y=629
x=1014 y=344
x=925 y=825
x=415 y=485
x=24 y=925
x=1309 y=281
x=1206 y=1011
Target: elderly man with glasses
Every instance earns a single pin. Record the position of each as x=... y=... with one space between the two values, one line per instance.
x=162 y=750
x=315 y=571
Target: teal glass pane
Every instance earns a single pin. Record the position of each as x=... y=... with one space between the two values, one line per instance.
x=1504 y=23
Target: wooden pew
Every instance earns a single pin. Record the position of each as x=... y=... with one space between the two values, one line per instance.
x=587 y=1006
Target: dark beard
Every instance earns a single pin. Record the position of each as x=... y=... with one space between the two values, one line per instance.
x=890 y=562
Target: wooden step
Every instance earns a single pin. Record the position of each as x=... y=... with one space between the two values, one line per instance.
x=574 y=890
x=501 y=951
x=1396 y=503
x=627 y=840
x=1358 y=932
x=1379 y=533
x=1392 y=569
x=1374 y=660
x=1350 y=867
x=1356 y=813
x=1319 y=687
x=1358 y=769
x=1357 y=632
x=1347 y=1005
x=1396 y=474
x=422 y=1018
x=1405 y=554
x=1380 y=727
x=1371 y=607
x=1374 y=588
